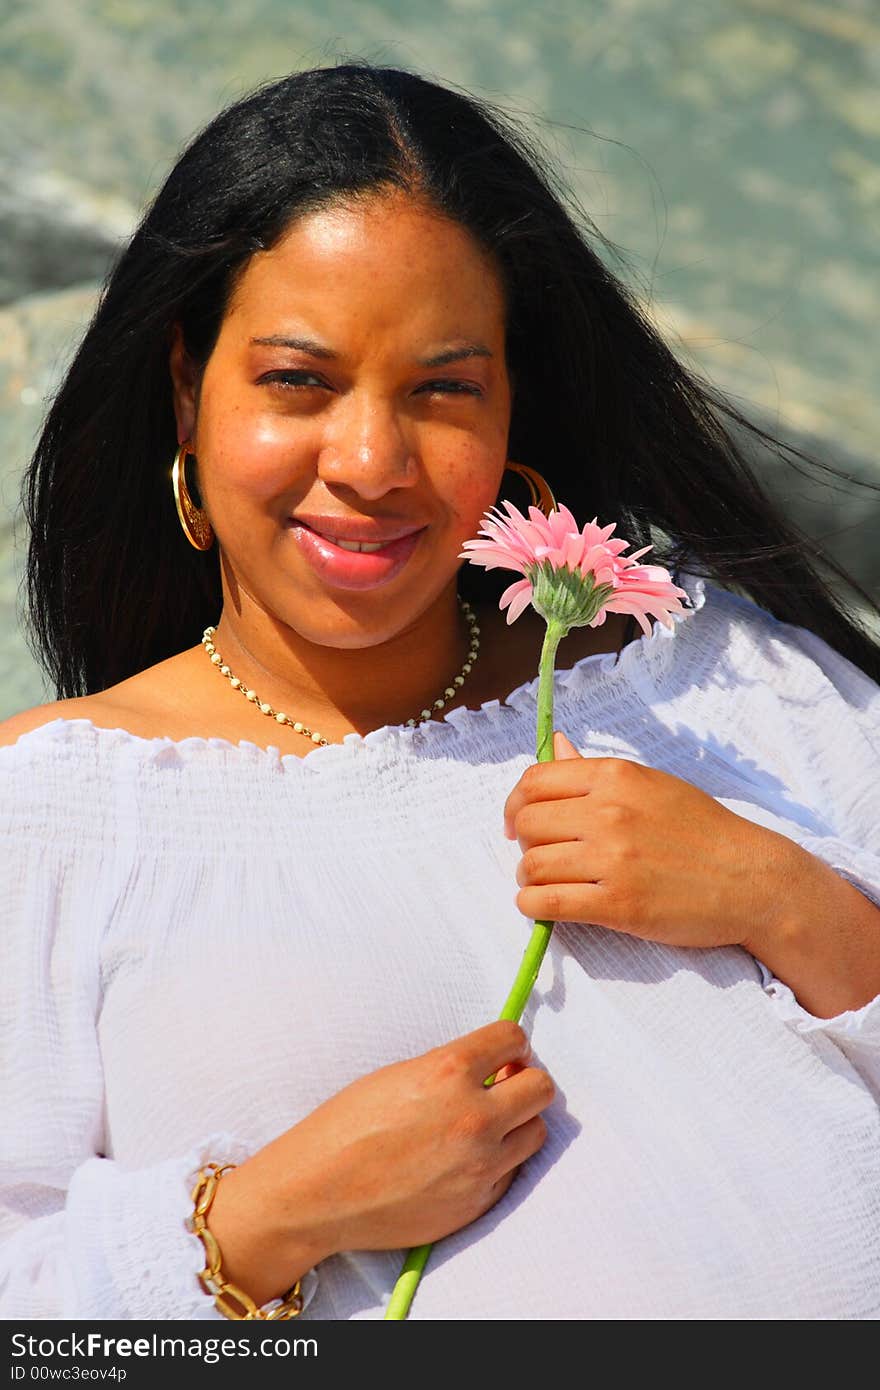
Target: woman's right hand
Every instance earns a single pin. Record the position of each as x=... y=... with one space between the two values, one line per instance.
x=400 y=1157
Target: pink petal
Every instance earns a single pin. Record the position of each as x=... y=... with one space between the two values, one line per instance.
x=572 y=549
x=615 y=605
x=560 y=525
x=519 y=596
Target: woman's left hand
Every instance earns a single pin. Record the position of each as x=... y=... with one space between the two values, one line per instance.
x=609 y=842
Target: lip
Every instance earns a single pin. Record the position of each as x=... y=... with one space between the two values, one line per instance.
x=353 y=528
x=350 y=569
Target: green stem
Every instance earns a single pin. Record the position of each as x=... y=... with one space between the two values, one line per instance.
x=546 y=667
x=411 y=1271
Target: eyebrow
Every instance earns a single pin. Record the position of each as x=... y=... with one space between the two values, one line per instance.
x=318 y=350
x=455 y=355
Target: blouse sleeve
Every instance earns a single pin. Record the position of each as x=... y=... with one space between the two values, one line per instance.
x=827 y=717
x=80 y=1237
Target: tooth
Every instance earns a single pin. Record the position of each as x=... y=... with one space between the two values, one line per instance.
x=355 y=545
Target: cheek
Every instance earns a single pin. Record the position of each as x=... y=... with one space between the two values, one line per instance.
x=488 y=477
x=471 y=488
x=249 y=461
x=466 y=463
x=482 y=495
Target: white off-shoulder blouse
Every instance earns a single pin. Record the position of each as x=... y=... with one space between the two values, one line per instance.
x=202 y=941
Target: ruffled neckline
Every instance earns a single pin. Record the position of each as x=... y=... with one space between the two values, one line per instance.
x=599 y=668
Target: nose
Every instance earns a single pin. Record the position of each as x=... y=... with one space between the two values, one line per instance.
x=365 y=447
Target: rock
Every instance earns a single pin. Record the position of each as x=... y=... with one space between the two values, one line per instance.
x=37 y=337
x=55 y=231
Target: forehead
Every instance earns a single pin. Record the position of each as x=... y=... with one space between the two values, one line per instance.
x=387 y=256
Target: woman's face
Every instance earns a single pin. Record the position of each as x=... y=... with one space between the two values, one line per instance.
x=353 y=423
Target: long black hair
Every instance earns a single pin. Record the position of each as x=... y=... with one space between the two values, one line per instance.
x=602 y=407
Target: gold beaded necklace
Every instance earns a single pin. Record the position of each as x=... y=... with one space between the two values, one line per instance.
x=297 y=725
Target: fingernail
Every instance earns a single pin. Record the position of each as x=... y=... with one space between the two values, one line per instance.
x=563 y=746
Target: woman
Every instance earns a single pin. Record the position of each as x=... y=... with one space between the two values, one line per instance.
x=272 y=932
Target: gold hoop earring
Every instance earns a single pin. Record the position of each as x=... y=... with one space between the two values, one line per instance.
x=539 y=488
x=196 y=526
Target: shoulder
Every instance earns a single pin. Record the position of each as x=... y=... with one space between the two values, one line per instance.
x=727 y=618
x=733 y=663
x=789 y=652
x=734 y=626
x=64 y=763
x=139 y=704
x=779 y=687
x=93 y=707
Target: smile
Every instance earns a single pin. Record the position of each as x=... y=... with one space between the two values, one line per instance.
x=354 y=565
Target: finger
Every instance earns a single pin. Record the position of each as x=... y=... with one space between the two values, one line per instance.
x=561 y=777
x=554 y=822
x=522 y=1142
x=551 y=781
x=490 y=1047
x=572 y=861
x=568 y=902
x=521 y=1097
x=499 y=1188
x=509 y=1069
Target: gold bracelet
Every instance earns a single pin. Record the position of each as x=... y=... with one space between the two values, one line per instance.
x=231 y=1301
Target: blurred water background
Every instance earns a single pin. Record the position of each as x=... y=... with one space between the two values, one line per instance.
x=728 y=147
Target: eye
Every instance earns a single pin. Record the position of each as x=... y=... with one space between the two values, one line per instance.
x=449 y=386
x=290 y=379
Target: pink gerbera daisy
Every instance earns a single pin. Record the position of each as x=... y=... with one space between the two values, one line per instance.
x=572 y=576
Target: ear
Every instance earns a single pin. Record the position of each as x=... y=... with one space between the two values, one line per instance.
x=185 y=376
x=563 y=746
